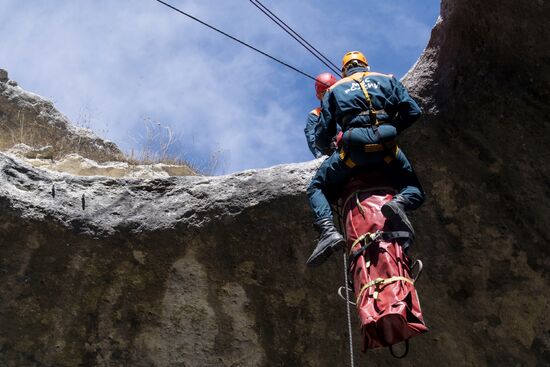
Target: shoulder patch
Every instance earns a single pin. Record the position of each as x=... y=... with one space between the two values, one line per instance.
x=316 y=111
x=380 y=74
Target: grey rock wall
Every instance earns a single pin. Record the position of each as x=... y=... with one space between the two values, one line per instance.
x=27 y=118
x=209 y=271
x=194 y=271
x=482 y=152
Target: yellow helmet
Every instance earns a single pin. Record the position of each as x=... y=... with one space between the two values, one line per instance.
x=353 y=55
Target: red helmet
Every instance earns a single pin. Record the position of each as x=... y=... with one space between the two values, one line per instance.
x=322 y=83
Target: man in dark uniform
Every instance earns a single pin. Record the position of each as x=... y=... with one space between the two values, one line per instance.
x=322 y=83
x=372 y=109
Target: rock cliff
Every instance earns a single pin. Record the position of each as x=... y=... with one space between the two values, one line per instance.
x=209 y=271
x=26 y=118
x=31 y=128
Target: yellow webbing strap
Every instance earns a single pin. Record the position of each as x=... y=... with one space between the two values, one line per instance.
x=371 y=148
x=379 y=283
x=390 y=145
x=359 y=239
x=347 y=161
x=372 y=111
x=371 y=236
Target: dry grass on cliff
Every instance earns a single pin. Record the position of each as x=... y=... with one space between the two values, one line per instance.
x=156 y=145
x=63 y=140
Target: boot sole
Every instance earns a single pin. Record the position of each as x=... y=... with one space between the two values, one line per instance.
x=394 y=217
x=325 y=254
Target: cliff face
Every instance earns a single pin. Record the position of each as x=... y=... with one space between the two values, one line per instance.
x=189 y=269
x=210 y=271
x=32 y=128
x=26 y=118
x=483 y=156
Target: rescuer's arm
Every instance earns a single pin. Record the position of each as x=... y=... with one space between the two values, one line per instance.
x=326 y=128
x=408 y=110
x=312 y=120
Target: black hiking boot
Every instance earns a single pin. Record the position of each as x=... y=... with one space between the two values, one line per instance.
x=394 y=211
x=330 y=240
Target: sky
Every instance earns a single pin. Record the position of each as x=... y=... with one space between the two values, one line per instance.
x=135 y=71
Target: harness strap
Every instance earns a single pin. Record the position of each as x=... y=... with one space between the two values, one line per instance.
x=372 y=112
x=378 y=283
x=346 y=119
x=370 y=238
x=371 y=148
x=362 y=237
x=347 y=160
x=377 y=236
x=375 y=122
x=393 y=235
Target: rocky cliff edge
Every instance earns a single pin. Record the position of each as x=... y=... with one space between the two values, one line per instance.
x=201 y=271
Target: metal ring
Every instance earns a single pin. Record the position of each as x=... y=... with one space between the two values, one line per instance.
x=343 y=297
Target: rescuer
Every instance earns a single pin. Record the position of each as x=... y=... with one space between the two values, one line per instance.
x=322 y=83
x=372 y=109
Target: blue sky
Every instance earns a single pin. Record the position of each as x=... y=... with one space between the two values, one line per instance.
x=119 y=66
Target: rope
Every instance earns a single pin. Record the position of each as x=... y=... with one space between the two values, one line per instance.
x=352 y=364
x=285 y=27
x=236 y=39
x=338 y=210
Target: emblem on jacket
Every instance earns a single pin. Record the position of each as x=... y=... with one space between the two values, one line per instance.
x=369 y=84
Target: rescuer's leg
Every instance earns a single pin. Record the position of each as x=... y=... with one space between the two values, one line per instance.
x=410 y=196
x=331 y=174
x=330 y=240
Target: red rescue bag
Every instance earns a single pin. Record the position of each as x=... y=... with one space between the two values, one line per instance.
x=381 y=272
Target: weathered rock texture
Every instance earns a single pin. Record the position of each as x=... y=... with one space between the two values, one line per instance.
x=26 y=118
x=194 y=271
x=32 y=128
x=75 y=164
x=483 y=156
x=209 y=271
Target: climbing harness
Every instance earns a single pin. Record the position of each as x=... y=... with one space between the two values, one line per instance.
x=390 y=147
x=372 y=112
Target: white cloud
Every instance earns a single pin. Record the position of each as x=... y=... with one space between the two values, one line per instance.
x=115 y=63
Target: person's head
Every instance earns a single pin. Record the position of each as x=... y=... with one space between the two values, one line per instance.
x=353 y=59
x=322 y=83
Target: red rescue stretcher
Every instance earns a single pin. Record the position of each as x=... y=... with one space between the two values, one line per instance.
x=380 y=270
